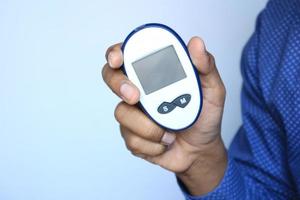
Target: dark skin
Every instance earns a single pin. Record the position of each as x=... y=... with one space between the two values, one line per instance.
x=197 y=155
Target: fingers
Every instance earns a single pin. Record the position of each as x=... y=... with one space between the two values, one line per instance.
x=139 y=146
x=142 y=136
x=120 y=85
x=136 y=121
x=115 y=79
x=114 y=56
x=204 y=62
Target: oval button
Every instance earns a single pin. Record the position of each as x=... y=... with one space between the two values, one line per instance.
x=165 y=108
x=182 y=100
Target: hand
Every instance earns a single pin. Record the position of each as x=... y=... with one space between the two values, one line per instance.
x=197 y=155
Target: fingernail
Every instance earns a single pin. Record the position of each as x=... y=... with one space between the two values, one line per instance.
x=110 y=58
x=115 y=59
x=168 y=138
x=127 y=91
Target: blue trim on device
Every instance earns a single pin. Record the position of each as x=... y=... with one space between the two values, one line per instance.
x=186 y=50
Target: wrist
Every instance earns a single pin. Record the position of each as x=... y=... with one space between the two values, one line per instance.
x=207 y=170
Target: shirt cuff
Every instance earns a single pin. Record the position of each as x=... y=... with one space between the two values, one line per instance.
x=231 y=186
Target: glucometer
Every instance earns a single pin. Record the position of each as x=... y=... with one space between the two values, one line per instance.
x=156 y=60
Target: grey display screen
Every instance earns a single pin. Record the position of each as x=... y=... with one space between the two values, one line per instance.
x=159 y=69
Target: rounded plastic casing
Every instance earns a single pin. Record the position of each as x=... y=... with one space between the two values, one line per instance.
x=150 y=38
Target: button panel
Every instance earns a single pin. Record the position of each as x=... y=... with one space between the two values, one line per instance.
x=181 y=101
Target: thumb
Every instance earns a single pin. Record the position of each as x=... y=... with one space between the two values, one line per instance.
x=205 y=64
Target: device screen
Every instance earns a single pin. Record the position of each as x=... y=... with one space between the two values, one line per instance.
x=159 y=69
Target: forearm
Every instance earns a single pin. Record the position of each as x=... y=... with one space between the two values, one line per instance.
x=208 y=170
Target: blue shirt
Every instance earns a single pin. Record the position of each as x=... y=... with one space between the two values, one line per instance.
x=264 y=157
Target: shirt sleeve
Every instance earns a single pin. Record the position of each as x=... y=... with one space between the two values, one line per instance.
x=257 y=158
x=231 y=187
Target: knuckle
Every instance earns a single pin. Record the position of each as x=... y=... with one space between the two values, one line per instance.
x=120 y=112
x=132 y=145
x=153 y=132
x=107 y=75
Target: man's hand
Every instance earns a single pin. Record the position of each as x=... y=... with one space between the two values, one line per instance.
x=197 y=155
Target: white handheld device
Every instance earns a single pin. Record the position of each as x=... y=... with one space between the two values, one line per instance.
x=156 y=60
